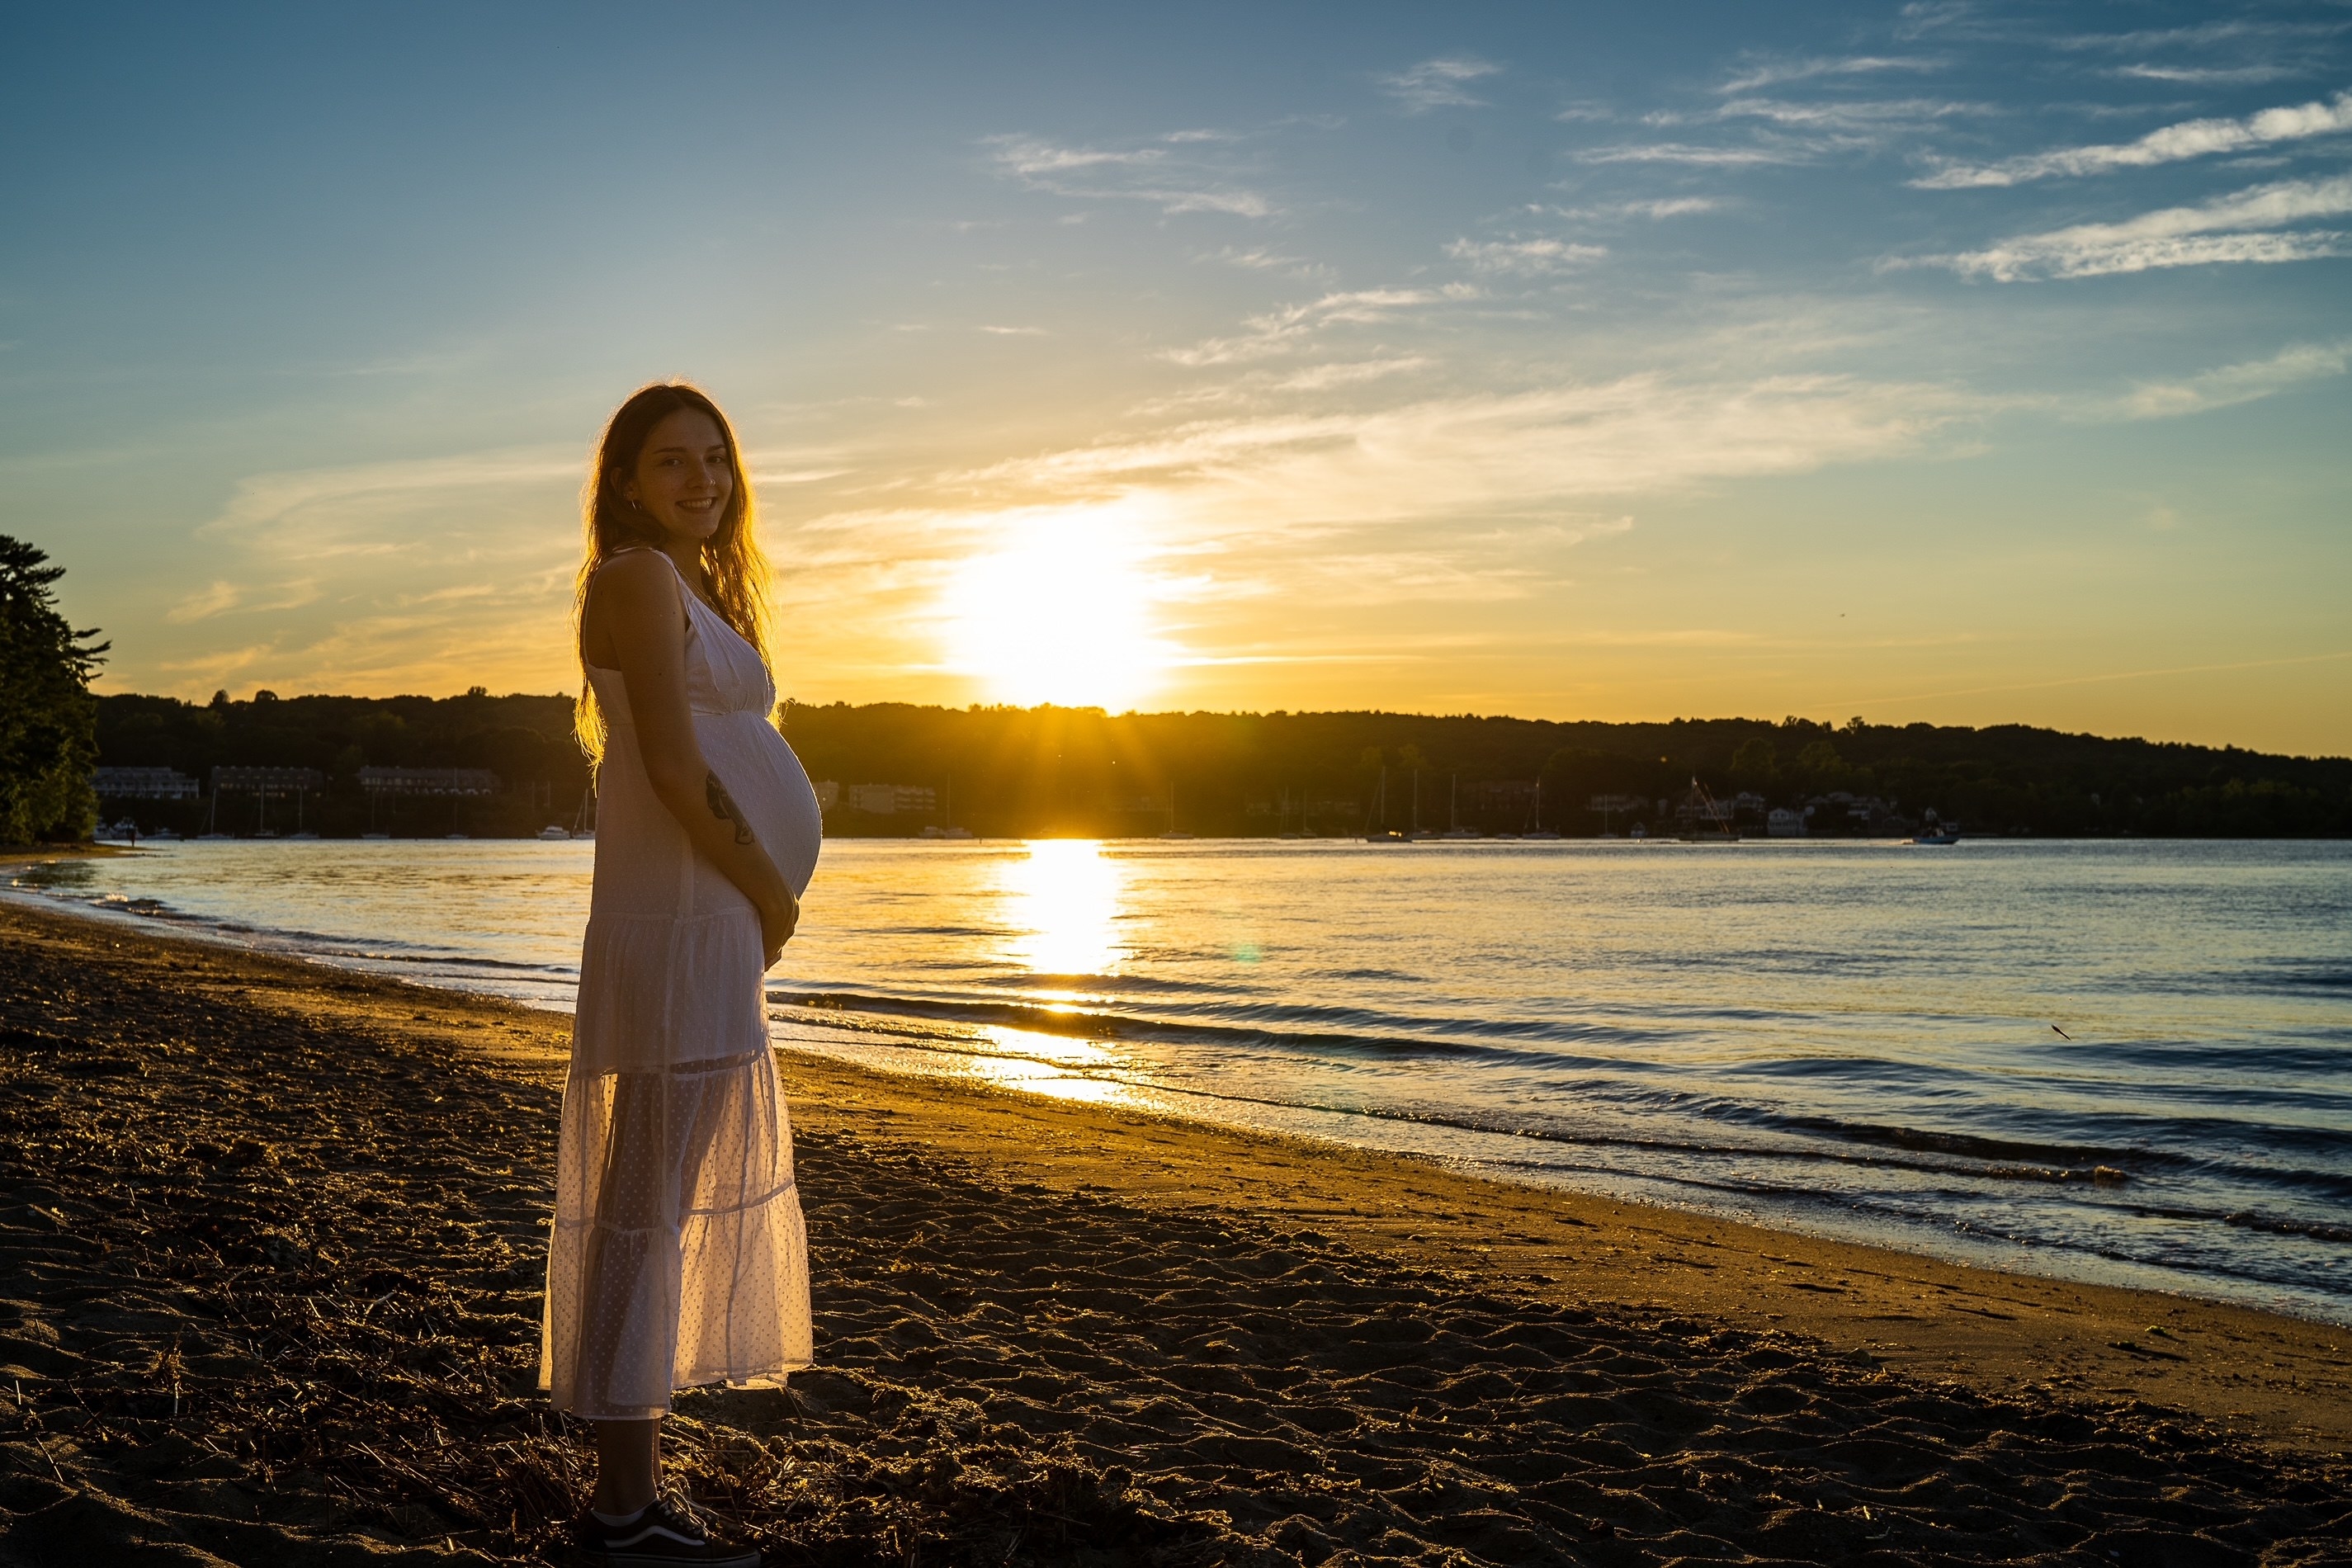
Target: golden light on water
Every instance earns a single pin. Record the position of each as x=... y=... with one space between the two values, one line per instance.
x=1062 y=908
x=1060 y=610
x=1051 y=1064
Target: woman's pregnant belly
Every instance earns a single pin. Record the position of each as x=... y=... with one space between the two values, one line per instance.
x=769 y=786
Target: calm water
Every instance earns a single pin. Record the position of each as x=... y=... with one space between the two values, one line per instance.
x=1853 y=1039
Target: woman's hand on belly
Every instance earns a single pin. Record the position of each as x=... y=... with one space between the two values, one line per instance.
x=777 y=923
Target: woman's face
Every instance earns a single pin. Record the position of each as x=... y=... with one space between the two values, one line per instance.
x=684 y=479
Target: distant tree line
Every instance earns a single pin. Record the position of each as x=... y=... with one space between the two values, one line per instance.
x=1031 y=771
x=525 y=740
x=48 y=717
x=1054 y=770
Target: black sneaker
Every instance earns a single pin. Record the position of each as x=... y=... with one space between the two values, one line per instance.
x=659 y=1535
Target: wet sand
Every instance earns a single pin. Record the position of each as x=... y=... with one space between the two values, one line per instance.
x=270 y=1266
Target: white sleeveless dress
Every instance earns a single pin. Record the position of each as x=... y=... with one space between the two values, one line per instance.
x=679 y=1256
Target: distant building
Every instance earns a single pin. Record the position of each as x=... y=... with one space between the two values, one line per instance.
x=1842 y=811
x=427 y=781
x=146 y=783
x=1506 y=798
x=828 y=794
x=264 y=785
x=893 y=799
x=267 y=782
x=1784 y=823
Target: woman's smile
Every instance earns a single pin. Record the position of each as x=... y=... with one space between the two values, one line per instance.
x=685 y=475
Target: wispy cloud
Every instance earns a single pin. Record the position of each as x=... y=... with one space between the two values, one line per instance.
x=1476 y=496
x=2212 y=75
x=424 y=575
x=326 y=514
x=1856 y=115
x=2248 y=226
x=1160 y=173
x=221 y=597
x=1774 y=73
x=1521 y=454
x=1259 y=388
x=1952 y=17
x=1259 y=258
x=206 y=603
x=1781 y=131
x=1659 y=208
x=1349 y=372
x=1281 y=330
x=1673 y=206
x=1752 y=155
x=2205 y=36
x=1439 y=83
x=1523 y=257
x=2173 y=144
x=2244 y=383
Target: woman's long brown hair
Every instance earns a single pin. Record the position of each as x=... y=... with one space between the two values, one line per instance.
x=731 y=561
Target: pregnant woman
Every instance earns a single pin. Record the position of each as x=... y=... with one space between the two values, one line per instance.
x=679 y=1256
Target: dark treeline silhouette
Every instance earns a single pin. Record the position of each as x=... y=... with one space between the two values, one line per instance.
x=1008 y=772
x=525 y=740
x=47 y=740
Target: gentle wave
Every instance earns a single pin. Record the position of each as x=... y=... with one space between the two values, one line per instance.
x=1348 y=1029
x=1975 y=1157
x=2129 y=1062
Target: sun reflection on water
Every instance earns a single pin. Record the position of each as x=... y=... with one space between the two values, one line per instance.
x=1055 y=1065
x=1063 y=902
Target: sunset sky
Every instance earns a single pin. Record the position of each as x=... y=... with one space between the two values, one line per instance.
x=1970 y=364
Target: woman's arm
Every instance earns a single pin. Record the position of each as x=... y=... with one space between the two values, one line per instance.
x=636 y=616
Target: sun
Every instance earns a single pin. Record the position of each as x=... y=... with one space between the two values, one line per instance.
x=1060 y=609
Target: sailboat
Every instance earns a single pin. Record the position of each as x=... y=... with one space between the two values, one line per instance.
x=1171 y=832
x=1718 y=821
x=1282 y=823
x=1417 y=830
x=1383 y=834
x=1536 y=830
x=1453 y=828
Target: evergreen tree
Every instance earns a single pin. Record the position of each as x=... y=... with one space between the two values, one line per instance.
x=48 y=720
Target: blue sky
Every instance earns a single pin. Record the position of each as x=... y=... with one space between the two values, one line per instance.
x=1947 y=362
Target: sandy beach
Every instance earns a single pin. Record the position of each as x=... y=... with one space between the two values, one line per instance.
x=270 y=1266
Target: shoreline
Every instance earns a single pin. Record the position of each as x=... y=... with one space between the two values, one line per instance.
x=270 y=1266
x=1994 y=1330
x=2015 y=1207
